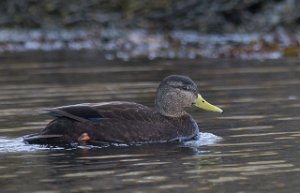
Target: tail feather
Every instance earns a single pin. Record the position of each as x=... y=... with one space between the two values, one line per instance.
x=45 y=139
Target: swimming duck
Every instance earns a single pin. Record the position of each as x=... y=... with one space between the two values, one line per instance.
x=128 y=122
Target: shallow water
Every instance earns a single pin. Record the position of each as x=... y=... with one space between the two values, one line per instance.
x=259 y=150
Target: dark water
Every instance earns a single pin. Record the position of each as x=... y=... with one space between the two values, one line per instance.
x=260 y=127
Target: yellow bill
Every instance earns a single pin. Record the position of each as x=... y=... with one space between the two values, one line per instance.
x=203 y=104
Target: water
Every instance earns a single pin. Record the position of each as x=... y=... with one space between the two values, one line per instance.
x=259 y=129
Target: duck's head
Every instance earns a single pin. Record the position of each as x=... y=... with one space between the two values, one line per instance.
x=177 y=92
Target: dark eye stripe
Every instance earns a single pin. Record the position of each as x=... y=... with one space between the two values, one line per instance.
x=182 y=87
x=185 y=87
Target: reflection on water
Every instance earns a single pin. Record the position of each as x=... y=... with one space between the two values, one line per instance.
x=8 y=145
x=258 y=152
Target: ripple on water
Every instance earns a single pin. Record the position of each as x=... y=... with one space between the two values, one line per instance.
x=204 y=139
x=18 y=145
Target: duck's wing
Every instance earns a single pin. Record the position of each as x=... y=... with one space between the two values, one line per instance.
x=121 y=122
x=100 y=111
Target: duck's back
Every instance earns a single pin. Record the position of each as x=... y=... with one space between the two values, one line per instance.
x=113 y=122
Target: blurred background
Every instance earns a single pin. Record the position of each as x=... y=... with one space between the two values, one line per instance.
x=243 y=55
x=248 y=29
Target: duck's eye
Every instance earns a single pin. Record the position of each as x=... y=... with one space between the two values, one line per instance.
x=185 y=87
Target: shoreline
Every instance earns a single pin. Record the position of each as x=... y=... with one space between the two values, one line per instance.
x=128 y=44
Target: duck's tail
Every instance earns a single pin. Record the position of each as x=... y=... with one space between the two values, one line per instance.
x=44 y=139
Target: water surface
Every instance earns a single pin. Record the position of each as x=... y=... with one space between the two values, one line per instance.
x=259 y=150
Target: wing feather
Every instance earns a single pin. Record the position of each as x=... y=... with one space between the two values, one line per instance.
x=99 y=111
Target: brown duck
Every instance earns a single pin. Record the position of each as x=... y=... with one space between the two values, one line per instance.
x=128 y=122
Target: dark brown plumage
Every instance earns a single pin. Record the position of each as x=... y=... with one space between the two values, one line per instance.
x=125 y=122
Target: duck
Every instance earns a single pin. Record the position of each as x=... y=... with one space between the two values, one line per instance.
x=120 y=122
